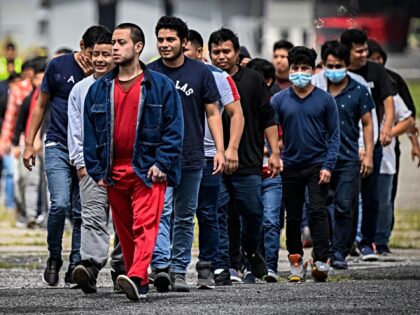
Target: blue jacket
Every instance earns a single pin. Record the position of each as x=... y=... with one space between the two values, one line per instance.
x=159 y=132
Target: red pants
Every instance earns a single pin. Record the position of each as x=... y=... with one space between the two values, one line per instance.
x=136 y=211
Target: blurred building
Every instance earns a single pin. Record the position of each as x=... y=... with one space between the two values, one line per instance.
x=258 y=23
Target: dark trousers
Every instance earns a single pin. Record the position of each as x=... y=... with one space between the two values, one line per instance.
x=295 y=180
x=208 y=236
x=244 y=193
x=344 y=184
x=395 y=179
x=370 y=200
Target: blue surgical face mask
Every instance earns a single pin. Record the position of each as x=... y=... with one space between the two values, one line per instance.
x=300 y=79
x=335 y=75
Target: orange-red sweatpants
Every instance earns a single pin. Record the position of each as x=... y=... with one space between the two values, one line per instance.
x=136 y=211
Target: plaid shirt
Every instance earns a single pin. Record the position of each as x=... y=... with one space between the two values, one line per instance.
x=16 y=96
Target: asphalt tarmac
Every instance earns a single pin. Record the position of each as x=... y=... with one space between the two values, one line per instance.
x=389 y=286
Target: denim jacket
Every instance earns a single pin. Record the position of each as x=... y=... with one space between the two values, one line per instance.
x=159 y=131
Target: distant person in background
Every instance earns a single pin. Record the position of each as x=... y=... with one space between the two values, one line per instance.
x=29 y=194
x=10 y=62
x=281 y=64
x=18 y=92
x=244 y=56
x=267 y=70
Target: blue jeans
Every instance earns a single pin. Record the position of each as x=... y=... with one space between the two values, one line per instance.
x=162 y=253
x=63 y=185
x=370 y=200
x=208 y=237
x=245 y=192
x=9 y=188
x=271 y=196
x=344 y=184
x=185 y=199
x=384 y=222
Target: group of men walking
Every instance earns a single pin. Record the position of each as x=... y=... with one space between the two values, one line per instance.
x=163 y=142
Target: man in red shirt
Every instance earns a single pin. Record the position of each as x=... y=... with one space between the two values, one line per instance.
x=133 y=131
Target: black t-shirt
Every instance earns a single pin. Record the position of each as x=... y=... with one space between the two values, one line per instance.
x=379 y=83
x=196 y=86
x=402 y=89
x=258 y=114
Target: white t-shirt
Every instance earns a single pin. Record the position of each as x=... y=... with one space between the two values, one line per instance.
x=228 y=94
x=388 y=164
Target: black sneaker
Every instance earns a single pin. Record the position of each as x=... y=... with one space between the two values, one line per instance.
x=152 y=276
x=354 y=250
x=258 y=266
x=162 y=281
x=178 y=282
x=132 y=288
x=222 y=277
x=85 y=277
x=383 y=250
x=368 y=254
x=114 y=277
x=51 y=272
x=68 y=278
x=248 y=277
x=205 y=275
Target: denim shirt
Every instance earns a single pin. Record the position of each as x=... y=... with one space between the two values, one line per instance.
x=159 y=131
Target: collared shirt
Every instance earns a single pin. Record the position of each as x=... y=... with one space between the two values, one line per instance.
x=321 y=81
x=352 y=103
x=16 y=97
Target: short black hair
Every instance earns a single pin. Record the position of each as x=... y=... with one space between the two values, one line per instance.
x=28 y=64
x=195 y=38
x=282 y=44
x=63 y=50
x=244 y=53
x=10 y=45
x=353 y=36
x=337 y=49
x=91 y=35
x=374 y=46
x=136 y=33
x=13 y=76
x=264 y=67
x=301 y=55
x=39 y=64
x=173 y=23
x=104 y=39
x=223 y=35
